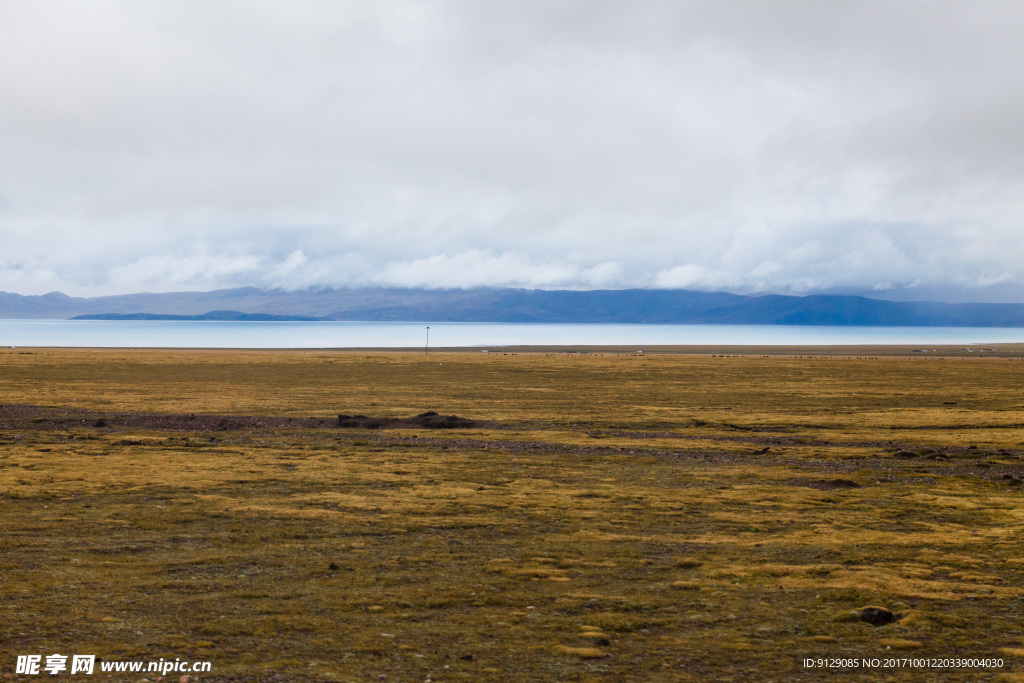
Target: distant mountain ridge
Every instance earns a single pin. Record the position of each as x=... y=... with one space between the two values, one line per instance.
x=212 y=315
x=514 y=305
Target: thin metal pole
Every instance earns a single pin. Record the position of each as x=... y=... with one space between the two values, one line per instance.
x=426 y=349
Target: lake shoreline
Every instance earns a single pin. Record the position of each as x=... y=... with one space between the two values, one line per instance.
x=933 y=352
x=538 y=337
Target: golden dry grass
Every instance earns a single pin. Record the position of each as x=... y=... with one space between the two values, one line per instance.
x=618 y=520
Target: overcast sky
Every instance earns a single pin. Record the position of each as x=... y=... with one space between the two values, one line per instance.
x=788 y=147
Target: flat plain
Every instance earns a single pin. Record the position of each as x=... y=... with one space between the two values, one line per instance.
x=600 y=516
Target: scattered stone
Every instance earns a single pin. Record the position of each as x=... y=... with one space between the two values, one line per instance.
x=899 y=644
x=876 y=616
x=333 y=567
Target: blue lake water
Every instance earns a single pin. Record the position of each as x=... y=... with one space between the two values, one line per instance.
x=290 y=335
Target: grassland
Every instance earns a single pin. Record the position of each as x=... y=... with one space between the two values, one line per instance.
x=607 y=518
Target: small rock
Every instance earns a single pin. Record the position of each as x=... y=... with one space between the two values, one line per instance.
x=333 y=567
x=900 y=644
x=466 y=658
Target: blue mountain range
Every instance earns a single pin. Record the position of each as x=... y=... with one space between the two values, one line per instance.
x=513 y=305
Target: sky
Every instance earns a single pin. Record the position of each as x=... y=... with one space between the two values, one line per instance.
x=744 y=146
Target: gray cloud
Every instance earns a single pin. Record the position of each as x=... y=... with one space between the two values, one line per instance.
x=748 y=146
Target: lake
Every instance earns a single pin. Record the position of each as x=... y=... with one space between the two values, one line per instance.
x=290 y=335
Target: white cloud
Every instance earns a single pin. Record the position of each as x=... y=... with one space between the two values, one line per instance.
x=686 y=276
x=749 y=146
x=476 y=267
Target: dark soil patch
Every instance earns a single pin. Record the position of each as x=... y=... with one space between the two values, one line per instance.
x=427 y=420
x=876 y=616
x=826 y=484
x=44 y=418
